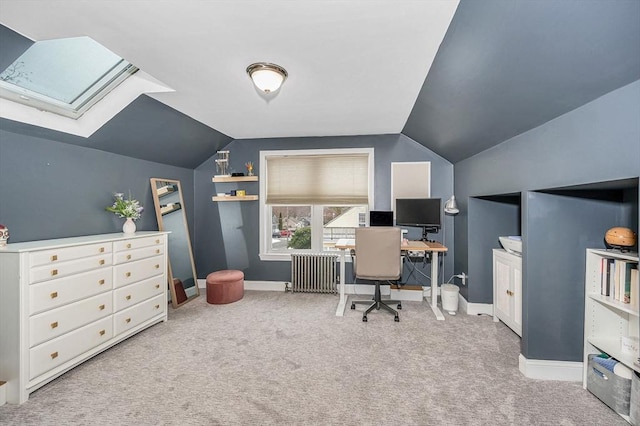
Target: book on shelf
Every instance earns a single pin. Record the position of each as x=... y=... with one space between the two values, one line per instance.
x=619 y=280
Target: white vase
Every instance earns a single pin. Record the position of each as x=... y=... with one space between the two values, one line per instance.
x=129 y=226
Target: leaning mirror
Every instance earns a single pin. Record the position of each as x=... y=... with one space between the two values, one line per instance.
x=167 y=198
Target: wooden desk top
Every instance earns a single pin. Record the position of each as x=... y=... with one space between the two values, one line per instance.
x=410 y=245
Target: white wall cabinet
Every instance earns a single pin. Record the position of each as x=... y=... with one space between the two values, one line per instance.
x=507 y=289
x=63 y=301
x=607 y=320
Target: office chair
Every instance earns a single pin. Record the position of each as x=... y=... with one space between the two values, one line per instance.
x=378 y=259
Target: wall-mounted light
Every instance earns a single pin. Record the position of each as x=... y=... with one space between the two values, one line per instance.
x=267 y=77
x=451 y=207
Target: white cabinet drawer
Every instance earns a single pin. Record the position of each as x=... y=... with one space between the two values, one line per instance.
x=56 y=322
x=131 y=317
x=128 y=273
x=53 y=271
x=135 y=293
x=137 y=254
x=53 y=256
x=136 y=243
x=55 y=293
x=53 y=353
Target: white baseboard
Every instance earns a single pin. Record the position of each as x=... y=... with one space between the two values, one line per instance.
x=474 y=308
x=3 y=393
x=568 y=371
x=265 y=285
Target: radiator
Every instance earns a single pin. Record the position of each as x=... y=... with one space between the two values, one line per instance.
x=314 y=273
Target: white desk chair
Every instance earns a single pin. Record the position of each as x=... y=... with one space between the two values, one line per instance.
x=378 y=259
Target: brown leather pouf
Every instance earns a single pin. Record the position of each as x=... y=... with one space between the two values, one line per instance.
x=225 y=286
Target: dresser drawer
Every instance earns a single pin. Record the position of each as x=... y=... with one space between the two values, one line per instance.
x=53 y=353
x=61 y=269
x=131 y=317
x=56 y=322
x=55 y=293
x=129 y=273
x=137 y=254
x=54 y=256
x=136 y=243
x=130 y=295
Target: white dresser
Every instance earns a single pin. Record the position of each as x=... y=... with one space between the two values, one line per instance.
x=63 y=301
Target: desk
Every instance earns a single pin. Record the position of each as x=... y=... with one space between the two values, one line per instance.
x=434 y=247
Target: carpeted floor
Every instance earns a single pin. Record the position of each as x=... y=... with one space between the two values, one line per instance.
x=286 y=359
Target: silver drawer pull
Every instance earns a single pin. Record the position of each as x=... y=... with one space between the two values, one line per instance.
x=54 y=272
x=54 y=294
x=102 y=332
x=128 y=297
x=54 y=324
x=54 y=355
x=54 y=257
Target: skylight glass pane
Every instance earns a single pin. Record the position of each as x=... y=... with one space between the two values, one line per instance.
x=65 y=76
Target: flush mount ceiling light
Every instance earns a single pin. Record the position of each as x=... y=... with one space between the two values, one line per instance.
x=267 y=77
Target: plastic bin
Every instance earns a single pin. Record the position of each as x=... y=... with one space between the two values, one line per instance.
x=613 y=390
x=449 y=296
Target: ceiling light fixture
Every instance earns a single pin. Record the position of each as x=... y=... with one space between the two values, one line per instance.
x=267 y=77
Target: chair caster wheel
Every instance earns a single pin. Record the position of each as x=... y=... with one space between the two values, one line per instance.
x=399 y=306
x=364 y=318
x=396 y=318
x=353 y=306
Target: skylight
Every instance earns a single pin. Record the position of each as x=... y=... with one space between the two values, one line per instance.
x=64 y=76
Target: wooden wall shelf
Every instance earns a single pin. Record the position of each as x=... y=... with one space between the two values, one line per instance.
x=235 y=179
x=236 y=198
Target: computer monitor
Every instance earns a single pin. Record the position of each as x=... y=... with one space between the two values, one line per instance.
x=380 y=218
x=419 y=212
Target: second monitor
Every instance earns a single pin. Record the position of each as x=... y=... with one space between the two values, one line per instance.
x=380 y=218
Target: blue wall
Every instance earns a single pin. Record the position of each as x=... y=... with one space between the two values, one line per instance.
x=50 y=189
x=599 y=142
x=228 y=233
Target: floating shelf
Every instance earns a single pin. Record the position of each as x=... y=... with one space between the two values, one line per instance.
x=236 y=198
x=166 y=209
x=235 y=179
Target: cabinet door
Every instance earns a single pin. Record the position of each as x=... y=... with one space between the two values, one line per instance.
x=502 y=277
x=517 y=297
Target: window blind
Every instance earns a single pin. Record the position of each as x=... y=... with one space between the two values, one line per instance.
x=318 y=179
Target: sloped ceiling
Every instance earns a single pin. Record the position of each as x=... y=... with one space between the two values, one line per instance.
x=356 y=67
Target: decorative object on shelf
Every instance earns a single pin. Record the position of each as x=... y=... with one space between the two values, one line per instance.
x=249 y=166
x=267 y=77
x=129 y=209
x=4 y=235
x=222 y=163
x=620 y=238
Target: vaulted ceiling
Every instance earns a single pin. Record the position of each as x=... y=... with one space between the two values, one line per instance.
x=457 y=78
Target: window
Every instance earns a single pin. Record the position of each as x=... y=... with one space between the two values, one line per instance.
x=64 y=76
x=312 y=198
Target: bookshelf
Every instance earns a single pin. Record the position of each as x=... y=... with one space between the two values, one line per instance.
x=609 y=321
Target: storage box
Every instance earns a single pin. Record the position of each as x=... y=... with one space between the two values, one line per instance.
x=634 y=411
x=613 y=390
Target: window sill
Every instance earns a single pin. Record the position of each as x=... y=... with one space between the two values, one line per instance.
x=286 y=257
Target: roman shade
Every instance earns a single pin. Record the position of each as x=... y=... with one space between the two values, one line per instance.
x=318 y=179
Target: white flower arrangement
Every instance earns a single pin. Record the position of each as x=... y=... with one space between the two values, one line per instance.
x=128 y=208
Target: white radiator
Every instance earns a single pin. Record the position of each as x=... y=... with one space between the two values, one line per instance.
x=314 y=272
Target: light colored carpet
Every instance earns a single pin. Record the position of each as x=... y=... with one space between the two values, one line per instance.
x=286 y=359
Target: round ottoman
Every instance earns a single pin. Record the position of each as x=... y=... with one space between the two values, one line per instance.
x=225 y=287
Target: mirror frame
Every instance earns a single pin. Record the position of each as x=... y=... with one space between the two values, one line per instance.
x=157 y=204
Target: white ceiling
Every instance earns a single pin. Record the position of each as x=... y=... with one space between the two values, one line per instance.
x=361 y=60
